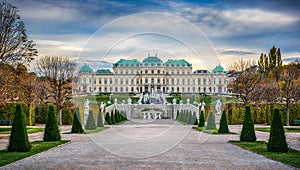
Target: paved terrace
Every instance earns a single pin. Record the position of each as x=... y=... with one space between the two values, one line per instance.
x=144 y=144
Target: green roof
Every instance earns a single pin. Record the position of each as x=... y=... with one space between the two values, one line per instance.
x=86 y=69
x=177 y=63
x=123 y=62
x=152 y=60
x=103 y=71
x=218 y=69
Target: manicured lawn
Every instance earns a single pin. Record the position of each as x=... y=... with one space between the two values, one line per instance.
x=99 y=129
x=292 y=157
x=37 y=147
x=215 y=131
x=287 y=129
x=203 y=129
x=6 y=130
x=120 y=122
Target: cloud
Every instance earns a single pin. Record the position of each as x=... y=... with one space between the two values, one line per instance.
x=232 y=22
x=236 y=52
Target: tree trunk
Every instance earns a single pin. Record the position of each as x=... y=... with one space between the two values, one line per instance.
x=287 y=112
x=60 y=117
x=287 y=115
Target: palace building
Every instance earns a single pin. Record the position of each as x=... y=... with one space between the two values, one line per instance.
x=151 y=75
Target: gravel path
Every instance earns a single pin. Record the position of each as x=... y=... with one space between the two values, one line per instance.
x=160 y=144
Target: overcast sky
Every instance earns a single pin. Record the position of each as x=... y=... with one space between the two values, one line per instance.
x=204 y=33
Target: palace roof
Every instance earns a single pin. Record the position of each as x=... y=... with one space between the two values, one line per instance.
x=86 y=69
x=177 y=63
x=218 y=69
x=123 y=62
x=152 y=60
x=103 y=71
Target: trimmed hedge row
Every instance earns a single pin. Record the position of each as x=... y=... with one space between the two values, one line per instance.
x=262 y=114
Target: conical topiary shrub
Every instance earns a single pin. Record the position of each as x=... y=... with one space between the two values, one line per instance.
x=116 y=117
x=112 y=117
x=90 y=123
x=52 y=130
x=223 y=123
x=195 y=120
x=201 y=120
x=107 y=119
x=277 y=140
x=211 y=123
x=248 y=132
x=100 y=120
x=77 y=126
x=18 y=141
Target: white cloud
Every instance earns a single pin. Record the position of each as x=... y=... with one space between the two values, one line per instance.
x=219 y=23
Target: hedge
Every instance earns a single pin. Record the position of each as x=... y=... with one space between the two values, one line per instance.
x=262 y=113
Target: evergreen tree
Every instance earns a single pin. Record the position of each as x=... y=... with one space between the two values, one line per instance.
x=77 y=126
x=223 y=123
x=100 y=120
x=107 y=118
x=248 y=132
x=52 y=130
x=18 y=141
x=277 y=140
x=211 y=123
x=177 y=115
x=195 y=119
x=187 y=117
x=112 y=116
x=117 y=117
x=201 y=120
x=90 y=123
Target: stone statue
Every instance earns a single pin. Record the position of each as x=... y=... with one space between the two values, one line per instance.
x=188 y=100
x=86 y=110
x=129 y=100
x=102 y=107
x=203 y=106
x=116 y=101
x=174 y=101
x=218 y=106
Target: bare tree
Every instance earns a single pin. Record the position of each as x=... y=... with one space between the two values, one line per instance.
x=241 y=64
x=14 y=45
x=246 y=85
x=289 y=86
x=59 y=72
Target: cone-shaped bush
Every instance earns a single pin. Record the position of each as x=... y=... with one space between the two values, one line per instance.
x=195 y=119
x=277 y=140
x=201 y=120
x=18 y=141
x=117 y=117
x=177 y=114
x=91 y=123
x=107 y=119
x=211 y=123
x=191 y=120
x=248 y=132
x=112 y=116
x=52 y=130
x=77 y=126
x=223 y=123
x=100 y=120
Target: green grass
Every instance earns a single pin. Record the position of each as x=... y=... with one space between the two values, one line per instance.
x=286 y=129
x=120 y=122
x=37 y=147
x=7 y=129
x=215 y=131
x=292 y=157
x=99 y=129
x=203 y=129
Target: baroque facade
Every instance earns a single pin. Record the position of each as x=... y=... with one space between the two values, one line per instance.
x=151 y=75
